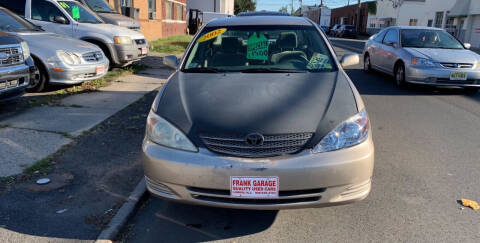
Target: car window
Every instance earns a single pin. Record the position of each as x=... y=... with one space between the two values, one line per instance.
x=16 y=6
x=349 y=27
x=428 y=38
x=260 y=49
x=379 y=37
x=13 y=23
x=99 y=6
x=391 y=36
x=78 y=12
x=45 y=11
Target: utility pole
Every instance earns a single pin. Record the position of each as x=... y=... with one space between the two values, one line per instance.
x=358 y=16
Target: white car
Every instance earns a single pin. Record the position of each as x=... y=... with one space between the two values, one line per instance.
x=71 y=18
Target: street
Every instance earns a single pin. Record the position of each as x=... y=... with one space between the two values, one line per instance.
x=427 y=145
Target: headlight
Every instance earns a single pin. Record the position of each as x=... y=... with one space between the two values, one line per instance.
x=162 y=132
x=122 y=40
x=351 y=132
x=69 y=58
x=25 y=50
x=422 y=62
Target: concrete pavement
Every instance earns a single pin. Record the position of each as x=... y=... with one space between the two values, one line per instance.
x=41 y=131
x=427 y=155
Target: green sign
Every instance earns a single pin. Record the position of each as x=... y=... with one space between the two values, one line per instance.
x=319 y=61
x=75 y=12
x=257 y=47
x=64 y=5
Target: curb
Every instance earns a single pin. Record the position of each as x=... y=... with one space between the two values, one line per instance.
x=123 y=214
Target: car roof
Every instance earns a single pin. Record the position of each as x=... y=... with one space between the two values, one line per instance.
x=259 y=20
x=263 y=13
x=405 y=27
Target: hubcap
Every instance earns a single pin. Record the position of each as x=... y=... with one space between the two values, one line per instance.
x=34 y=82
x=366 y=65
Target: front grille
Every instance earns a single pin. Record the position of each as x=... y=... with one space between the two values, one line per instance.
x=273 y=145
x=457 y=65
x=290 y=193
x=93 y=56
x=255 y=201
x=140 y=41
x=14 y=56
x=134 y=28
x=446 y=80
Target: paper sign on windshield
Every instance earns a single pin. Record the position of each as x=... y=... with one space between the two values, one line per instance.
x=75 y=12
x=319 y=61
x=64 y=5
x=212 y=34
x=257 y=47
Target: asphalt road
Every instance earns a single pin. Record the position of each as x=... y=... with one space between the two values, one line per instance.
x=427 y=157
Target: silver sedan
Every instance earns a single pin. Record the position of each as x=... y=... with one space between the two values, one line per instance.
x=423 y=55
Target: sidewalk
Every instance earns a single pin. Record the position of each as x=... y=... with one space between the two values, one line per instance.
x=40 y=131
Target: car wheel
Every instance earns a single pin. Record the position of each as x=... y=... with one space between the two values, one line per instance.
x=39 y=81
x=471 y=91
x=400 y=76
x=367 y=67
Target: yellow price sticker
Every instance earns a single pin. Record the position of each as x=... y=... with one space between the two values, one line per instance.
x=212 y=34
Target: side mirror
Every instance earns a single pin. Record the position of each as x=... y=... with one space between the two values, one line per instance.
x=392 y=44
x=171 y=61
x=60 y=20
x=467 y=45
x=350 y=59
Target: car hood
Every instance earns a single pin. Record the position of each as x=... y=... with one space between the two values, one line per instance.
x=445 y=55
x=118 y=19
x=270 y=104
x=45 y=43
x=111 y=30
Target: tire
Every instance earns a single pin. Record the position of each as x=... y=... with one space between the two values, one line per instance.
x=471 y=91
x=400 y=76
x=40 y=81
x=367 y=65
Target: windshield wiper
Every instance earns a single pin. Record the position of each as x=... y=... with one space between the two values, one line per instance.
x=271 y=70
x=203 y=70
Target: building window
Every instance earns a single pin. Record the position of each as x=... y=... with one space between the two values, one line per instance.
x=168 y=10
x=413 y=22
x=373 y=23
x=126 y=3
x=152 y=9
x=449 y=23
x=430 y=23
x=179 y=12
x=438 y=19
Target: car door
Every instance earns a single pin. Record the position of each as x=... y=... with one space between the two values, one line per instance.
x=44 y=13
x=374 y=49
x=388 y=54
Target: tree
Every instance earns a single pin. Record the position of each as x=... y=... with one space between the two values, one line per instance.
x=284 y=9
x=244 y=6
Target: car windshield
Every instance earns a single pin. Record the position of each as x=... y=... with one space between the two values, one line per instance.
x=425 y=38
x=260 y=49
x=349 y=27
x=100 y=6
x=78 y=12
x=13 y=23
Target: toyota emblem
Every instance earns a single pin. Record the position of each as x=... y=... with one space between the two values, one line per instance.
x=254 y=139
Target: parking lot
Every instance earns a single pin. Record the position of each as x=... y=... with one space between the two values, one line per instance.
x=427 y=154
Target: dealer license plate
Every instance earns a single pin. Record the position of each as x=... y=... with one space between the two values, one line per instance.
x=458 y=76
x=144 y=50
x=254 y=187
x=100 y=70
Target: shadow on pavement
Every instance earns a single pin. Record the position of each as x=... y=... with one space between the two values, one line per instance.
x=174 y=222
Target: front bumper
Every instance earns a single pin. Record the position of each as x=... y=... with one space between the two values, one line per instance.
x=438 y=76
x=20 y=73
x=305 y=179
x=77 y=74
x=124 y=55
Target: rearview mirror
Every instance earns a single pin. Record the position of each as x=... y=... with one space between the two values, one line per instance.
x=467 y=45
x=60 y=20
x=171 y=61
x=350 y=59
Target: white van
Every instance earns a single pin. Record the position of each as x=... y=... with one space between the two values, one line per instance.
x=71 y=18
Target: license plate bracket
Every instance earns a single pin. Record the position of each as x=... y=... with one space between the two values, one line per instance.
x=254 y=187
x=99 y=70
x=144 y=50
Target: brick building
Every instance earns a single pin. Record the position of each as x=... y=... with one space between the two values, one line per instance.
x=348 y=15
x=158 y=18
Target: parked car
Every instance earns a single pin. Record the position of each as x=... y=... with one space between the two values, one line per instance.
x=325 y=29
x=59 y=60
x=423 y=55
x=16 y=66
x=333 y=30
x=71 y=18
x=346 y=31
x=267 y=120
x=109 y=15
